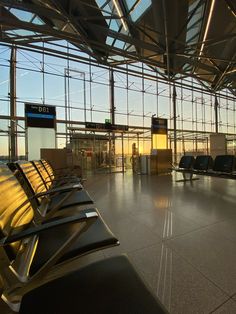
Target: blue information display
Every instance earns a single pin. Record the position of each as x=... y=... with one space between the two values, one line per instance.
x=159 y=126
x=40 y=116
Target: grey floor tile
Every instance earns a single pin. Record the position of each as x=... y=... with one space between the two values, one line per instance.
x=228 y=307
x=166 y=223
x=132 y=236
x=194 y=269
x=202 y=211
x=206 y=201
x=226 y=229
x=180 y=287
x=211 y=254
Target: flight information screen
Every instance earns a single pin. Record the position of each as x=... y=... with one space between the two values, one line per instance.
x=159 y=126
x=40 y=116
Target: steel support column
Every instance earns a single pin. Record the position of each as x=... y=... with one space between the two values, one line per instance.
x=216 y=114
x=112 y=98
x=12 y=129
x=112 y=105
x=122 y=149
x=174 y=121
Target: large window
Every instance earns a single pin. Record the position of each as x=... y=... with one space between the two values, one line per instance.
x=81 y=91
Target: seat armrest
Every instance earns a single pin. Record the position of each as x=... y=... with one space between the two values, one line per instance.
x=61 y=189
x=81 y=217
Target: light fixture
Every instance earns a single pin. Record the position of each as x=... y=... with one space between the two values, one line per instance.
x=120 y=14
x=207 y=27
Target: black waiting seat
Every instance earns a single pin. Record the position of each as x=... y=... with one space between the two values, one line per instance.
x=186 y=162
x=105 y=287
x=54 y=241
x=185 y=166
x=52 y=182
x=61 y=176
x=224 y=164
x=29 y=252
x=74 y=171
x=37 y=190
x=203 y=163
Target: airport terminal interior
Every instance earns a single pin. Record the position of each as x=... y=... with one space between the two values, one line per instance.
x=118 y=156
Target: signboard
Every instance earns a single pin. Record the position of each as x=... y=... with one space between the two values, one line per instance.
x=159 y=126
x=106 y=126
x=40 y=116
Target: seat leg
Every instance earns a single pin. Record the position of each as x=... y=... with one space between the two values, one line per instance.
x=186 y=178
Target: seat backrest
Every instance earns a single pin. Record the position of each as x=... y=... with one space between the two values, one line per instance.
x=15 y=209
x=186 y=162
x=32 y=176
x=224 y=163
x=48 y=168
x=203 y=162
x=43 y=173
x=13 y=166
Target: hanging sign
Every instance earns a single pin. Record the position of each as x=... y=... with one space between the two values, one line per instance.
x=159 y=126
x=40 y=116
x=106 y=126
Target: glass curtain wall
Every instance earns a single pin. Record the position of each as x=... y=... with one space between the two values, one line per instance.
x=80 y=90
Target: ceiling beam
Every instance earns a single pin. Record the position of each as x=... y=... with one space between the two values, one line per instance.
x=33 y=8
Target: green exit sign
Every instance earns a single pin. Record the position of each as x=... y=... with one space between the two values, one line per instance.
x=107 y=120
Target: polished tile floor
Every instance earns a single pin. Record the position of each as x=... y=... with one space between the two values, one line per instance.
x=181 y=237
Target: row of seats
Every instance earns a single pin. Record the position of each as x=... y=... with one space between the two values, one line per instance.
x=222 y=165
x=45 y=224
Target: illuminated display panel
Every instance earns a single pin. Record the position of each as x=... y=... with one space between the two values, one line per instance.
x=159 y=141
x=40 y=116
x=159 y=126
